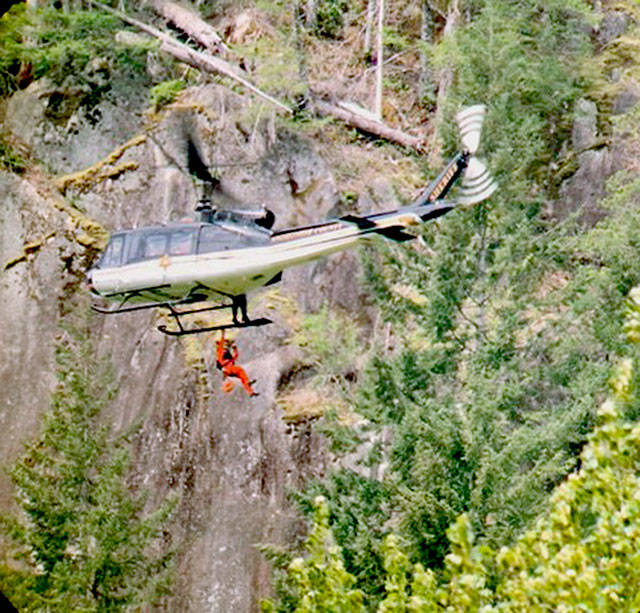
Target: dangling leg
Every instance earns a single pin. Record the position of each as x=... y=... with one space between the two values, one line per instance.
x=239 y=302
x=237 y=371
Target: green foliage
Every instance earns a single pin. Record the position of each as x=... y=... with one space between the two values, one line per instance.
x=581 y=554
x=359 y=512
x=502 y=332
x=165 y=93
x=491 y=393
x=329 y=17
x=408 y=588
x=276 y=64
x=318 y=582
x=61 y=45
x=88 y=542
x=525 y=61
x=10 y=159
x=331 y=343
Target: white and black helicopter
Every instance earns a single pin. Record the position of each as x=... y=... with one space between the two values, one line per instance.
x=228 y=253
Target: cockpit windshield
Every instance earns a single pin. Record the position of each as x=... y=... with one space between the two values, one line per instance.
x=112 y=255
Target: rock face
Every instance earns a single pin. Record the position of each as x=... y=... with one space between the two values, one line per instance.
x=231 y=458
x=596 y=160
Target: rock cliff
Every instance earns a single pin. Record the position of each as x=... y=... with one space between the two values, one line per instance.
x=231 y=458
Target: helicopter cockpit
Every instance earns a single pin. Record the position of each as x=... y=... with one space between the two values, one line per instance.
x=131 y=246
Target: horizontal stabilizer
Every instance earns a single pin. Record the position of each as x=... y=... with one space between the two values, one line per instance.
x=367 y=225
x=395 y=233
x=437 y=211
x=362 y=222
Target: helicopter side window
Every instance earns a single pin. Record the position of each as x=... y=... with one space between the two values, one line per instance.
x=213 y=238
x=113 y=253
x=181 y=242
x=153 y=246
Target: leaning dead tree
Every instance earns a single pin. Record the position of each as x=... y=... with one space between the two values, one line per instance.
x=198 y=30
x=190 y=22
x=197 y=59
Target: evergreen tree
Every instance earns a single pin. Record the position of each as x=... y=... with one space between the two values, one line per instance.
x=581 y=554
x=491 y=389
x=317 y=582
x=90 y=543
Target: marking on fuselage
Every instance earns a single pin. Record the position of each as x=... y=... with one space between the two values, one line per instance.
x=443 y=183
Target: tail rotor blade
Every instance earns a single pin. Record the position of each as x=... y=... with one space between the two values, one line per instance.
x=470 y=122
x=477 y=183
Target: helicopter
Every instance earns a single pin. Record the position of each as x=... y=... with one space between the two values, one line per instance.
x=212 y=263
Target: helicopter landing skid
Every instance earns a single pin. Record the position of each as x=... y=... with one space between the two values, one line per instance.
x=238 y=303
x=181 y=331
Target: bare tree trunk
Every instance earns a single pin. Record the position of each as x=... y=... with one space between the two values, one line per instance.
x=482 y=277
x=426 y=85
x=379 y=60
x=310 y=13
x=369 y=125
x=371 y=15
x=444 y=78
x=303 y=73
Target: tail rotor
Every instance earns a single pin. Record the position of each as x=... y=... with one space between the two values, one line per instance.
x=476 y=183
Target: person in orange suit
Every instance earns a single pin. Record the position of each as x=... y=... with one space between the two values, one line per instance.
x=226 y=356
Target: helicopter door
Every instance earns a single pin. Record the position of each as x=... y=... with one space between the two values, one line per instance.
x=154 y=245
x=181 y=241
x=214 y=238
x=151 y=245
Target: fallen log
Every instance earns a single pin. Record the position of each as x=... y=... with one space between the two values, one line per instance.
x=368 y=124
x=204 y=61
x=192 y=24
x=190 y=56
x=208 y=63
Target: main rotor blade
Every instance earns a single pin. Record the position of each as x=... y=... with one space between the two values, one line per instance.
x=196 y=166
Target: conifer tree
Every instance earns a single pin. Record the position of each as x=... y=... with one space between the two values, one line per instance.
x=318 y=581
x=581 y=553
x=490 y=392
x=88 y=541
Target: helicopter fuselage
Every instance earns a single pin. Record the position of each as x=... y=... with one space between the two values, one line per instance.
x=209 y=260
x=229 y=253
